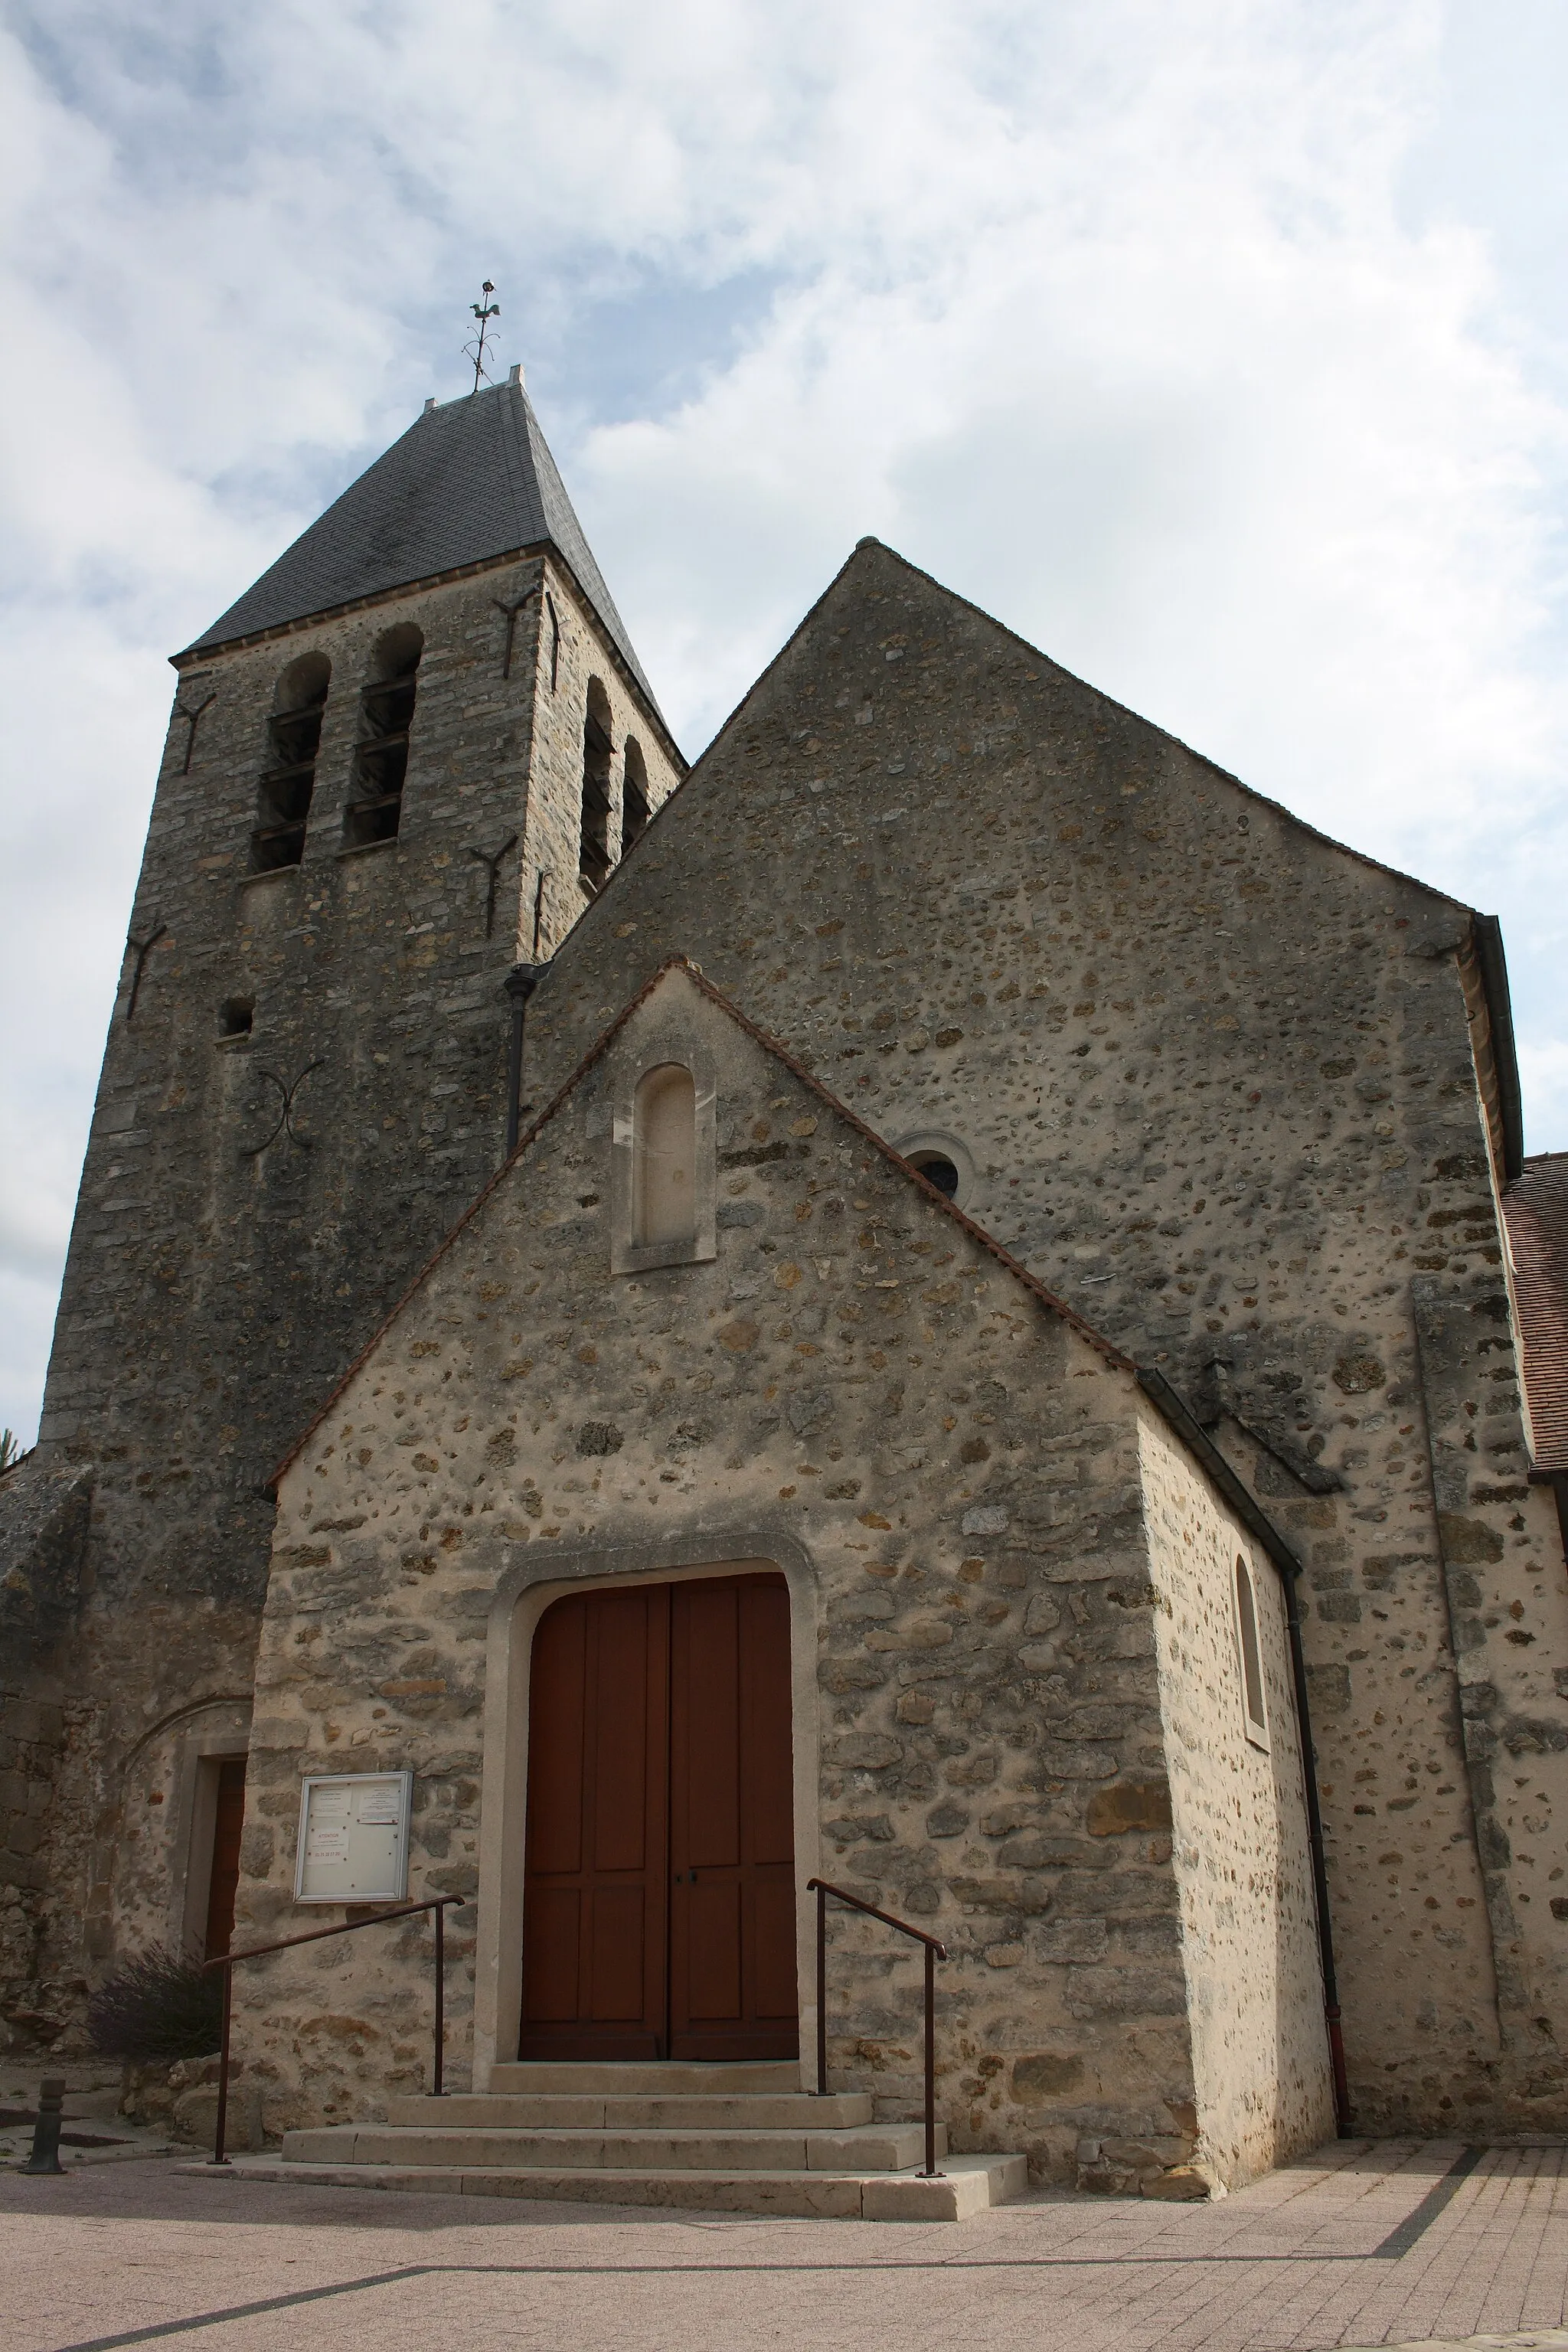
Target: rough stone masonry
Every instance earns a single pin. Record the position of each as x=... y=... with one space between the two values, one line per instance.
x=1011 y=1633
x=1241 y=1096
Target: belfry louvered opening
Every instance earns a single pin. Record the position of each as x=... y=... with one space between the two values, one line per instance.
x=381 y=754
x=635 y=810
x=288 y=779
x=598 y=747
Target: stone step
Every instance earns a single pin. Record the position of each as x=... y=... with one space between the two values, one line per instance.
x=867 y=2147
x=646 y=2078
x=968 y=2185
x=560 y=2110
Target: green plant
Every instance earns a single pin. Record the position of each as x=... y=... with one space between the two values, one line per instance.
x=157 y=2008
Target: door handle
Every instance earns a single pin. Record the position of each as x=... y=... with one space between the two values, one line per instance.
x=684 y=1878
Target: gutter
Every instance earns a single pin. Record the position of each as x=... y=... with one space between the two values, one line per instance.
x=1197 y=1441
x=1505 y=1059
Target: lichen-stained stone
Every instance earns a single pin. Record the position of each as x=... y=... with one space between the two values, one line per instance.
x=988 y=1751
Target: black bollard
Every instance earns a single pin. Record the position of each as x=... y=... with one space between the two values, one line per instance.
x=46 y=2156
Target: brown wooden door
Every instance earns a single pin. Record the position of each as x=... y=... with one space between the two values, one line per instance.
x=228 y=1821
x=659 y=1902
x=595 y=1913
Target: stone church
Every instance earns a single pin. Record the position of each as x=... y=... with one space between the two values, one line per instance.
x=948 y=1301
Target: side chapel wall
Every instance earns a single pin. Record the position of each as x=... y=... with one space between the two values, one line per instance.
x=1243 y=1863
x=851 y=1382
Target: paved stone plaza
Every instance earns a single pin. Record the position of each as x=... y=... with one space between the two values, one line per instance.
x=1394 y=2243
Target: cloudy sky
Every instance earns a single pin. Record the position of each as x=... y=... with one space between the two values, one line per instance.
x=1219 y=346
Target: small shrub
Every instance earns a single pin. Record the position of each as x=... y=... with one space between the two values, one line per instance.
x=157 y=2008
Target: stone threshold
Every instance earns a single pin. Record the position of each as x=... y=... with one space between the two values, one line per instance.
x=967 y=2184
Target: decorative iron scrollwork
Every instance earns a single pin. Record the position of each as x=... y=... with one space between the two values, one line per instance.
x=284 y=1122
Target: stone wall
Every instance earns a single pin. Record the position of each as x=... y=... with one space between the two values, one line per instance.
x=550 y=847
x=1211 y=1076
x=251 y=1203
x=857 y=1388
x=44 y=1518
x=1249 y=1939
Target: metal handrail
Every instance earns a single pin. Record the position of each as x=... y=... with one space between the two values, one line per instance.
x=934 y=1952
x=439 y=1903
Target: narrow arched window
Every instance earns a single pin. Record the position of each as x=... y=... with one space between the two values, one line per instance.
x=664 y=1156
x=288 y=778
x=1251 y=1655
x=594 y=851
x=635 y=809
x=381 y=754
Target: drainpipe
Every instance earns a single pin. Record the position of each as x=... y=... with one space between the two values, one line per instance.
x=1558 y=1482
x=1289 y=1569
x=1343 y=2117
x=519 y=984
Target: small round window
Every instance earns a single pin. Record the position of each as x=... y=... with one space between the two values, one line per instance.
x=938 y=1169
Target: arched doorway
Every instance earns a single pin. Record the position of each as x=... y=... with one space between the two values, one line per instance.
x=659 y=1908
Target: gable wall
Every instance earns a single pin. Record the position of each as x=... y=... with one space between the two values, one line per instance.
x=854 y=1381
x=1214 y=1079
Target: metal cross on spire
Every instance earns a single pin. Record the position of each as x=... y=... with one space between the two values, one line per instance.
x=484 y=310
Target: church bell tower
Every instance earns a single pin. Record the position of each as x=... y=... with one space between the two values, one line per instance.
x=400 y=766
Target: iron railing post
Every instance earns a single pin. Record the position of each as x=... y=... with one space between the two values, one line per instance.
x=440 y=1991
x=217 y=2154
x=931 y=2064
x=821 y=1990
x=934 y=1951
x=259 y=1951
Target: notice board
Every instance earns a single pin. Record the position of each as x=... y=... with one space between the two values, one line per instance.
x=354 y=1838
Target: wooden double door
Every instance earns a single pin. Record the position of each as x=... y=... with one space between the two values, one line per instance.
x=659 y=1908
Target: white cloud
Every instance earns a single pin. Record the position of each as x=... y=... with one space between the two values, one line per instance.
x=1153 y=325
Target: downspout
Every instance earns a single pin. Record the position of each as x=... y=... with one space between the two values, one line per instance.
x=1343 y=2116
x=1558 y=1482
x=1289 y=1569
x=519 y=984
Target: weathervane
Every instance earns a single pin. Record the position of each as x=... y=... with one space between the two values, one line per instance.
x=484 y=312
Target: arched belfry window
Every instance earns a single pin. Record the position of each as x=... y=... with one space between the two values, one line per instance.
x=288 y=779
x=598 y=747
x=1252 y=1697
x=664 y=1156
x=635 y=809
x=381 y=754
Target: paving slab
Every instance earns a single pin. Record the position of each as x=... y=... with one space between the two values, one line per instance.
x=1359 y=2246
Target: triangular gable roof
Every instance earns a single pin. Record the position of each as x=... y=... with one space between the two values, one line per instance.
x=965 y=603
x=780 y=1053
x=1487 y=931
x=470 y=480
x=1170 y=1406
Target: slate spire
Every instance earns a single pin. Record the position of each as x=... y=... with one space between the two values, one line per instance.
x=472 y=478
